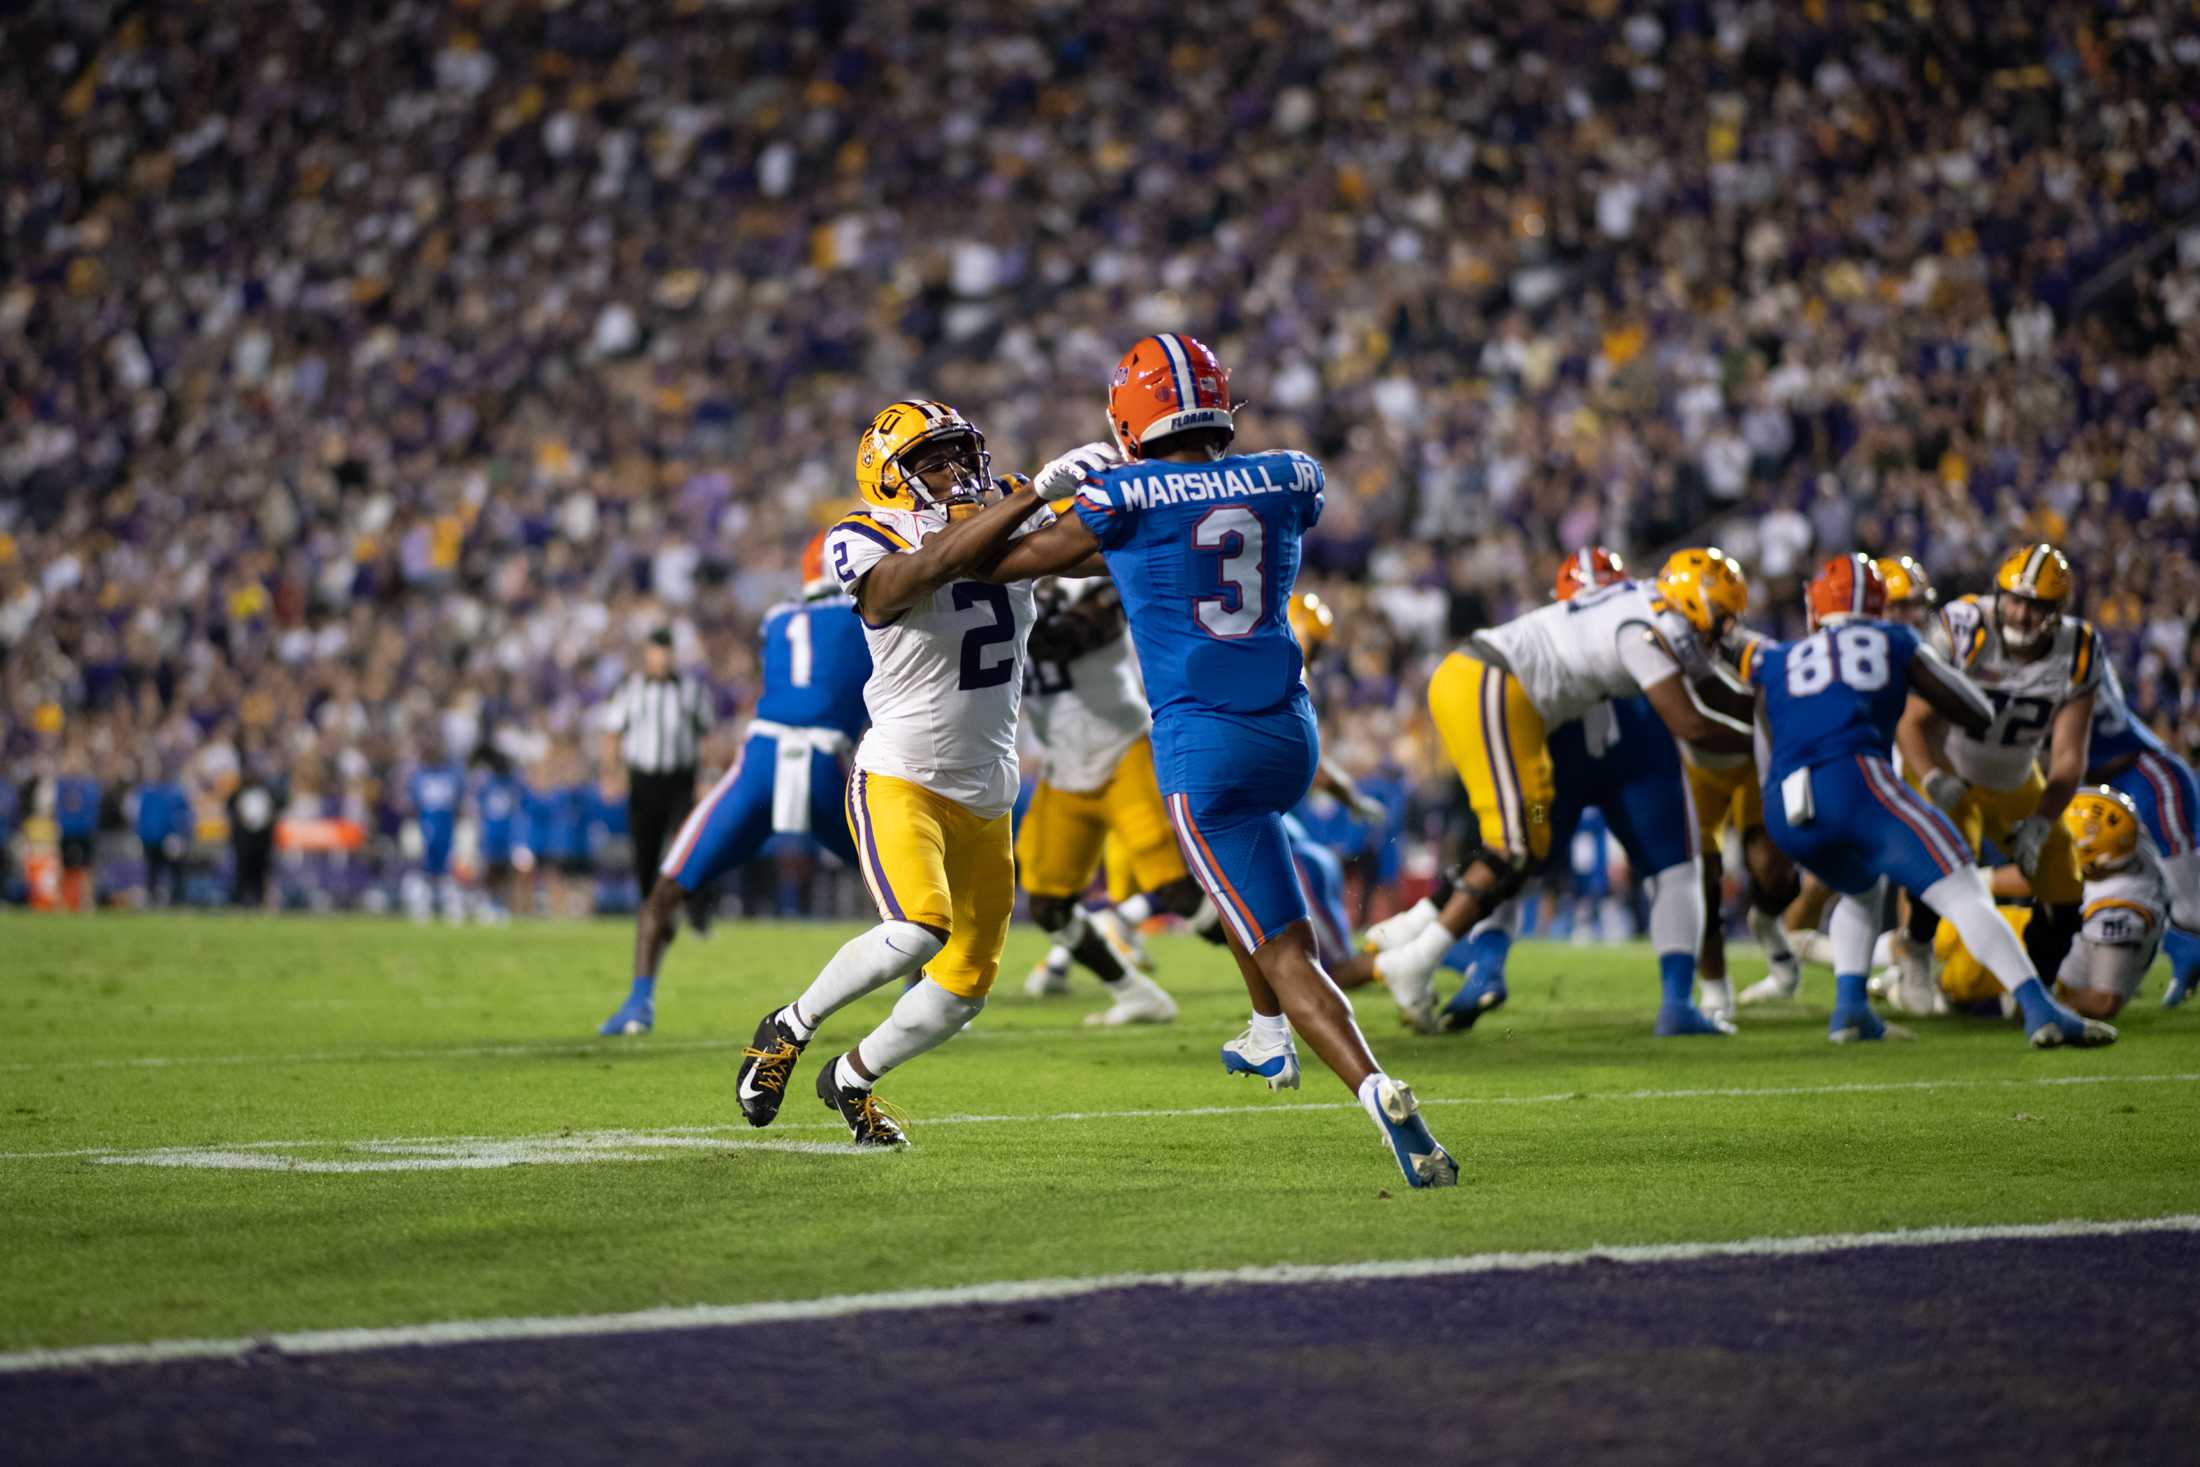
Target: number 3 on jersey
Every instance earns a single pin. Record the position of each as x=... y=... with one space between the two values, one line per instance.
x=1236 y=532
x=1857 y=656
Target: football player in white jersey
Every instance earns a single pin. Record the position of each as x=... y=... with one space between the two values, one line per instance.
x=1496 y=701
x=935 y=777
x=2040 y=668
x=1088 y=710
x=2125 y=914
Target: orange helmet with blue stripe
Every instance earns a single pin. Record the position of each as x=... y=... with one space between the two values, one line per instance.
x=1846 y=586
x=1166 y=385
x=1591 y=565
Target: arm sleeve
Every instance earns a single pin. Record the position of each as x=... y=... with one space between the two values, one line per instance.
x=1104 y=512
x=1645 y=655
x=1947 y=676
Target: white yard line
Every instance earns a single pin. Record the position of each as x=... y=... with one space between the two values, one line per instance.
x=551 y=1049
x=667 y=1135
x=1020 y=1291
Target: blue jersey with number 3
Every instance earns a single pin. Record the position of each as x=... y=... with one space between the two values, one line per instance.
x=816 y=662
x=1204 y=556
x=1833 y=694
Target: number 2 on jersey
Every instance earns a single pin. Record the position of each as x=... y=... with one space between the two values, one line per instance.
x=1856 y=656
x=976 y=671
x=1237 y=532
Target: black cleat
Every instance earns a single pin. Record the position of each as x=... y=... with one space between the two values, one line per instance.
x=761 y=1082
x=871 y=1121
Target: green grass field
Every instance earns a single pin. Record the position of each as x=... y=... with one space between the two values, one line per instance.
x=149 y=1061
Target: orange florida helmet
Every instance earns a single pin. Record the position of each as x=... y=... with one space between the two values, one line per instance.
x=1591 y=565
x=816 y=580
x=1165 y=385
x=1846 y=586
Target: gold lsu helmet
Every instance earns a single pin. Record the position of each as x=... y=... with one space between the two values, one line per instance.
x=2040 y=575
x=915 y=437
x=2103 y=825
x=1706 y=586
x=1312 y=622
x=1906 y=580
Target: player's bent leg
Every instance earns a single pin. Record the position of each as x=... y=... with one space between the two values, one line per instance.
x=1320 y=1012
x=1962 y=897
x=654 y=926
x=924 y=1018
x=1715 y=994
x=1676 y=932
x=1496 y=740
x=1855 y=930
x=1773 y=887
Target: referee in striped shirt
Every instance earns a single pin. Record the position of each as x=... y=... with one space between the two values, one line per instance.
x=656 y=722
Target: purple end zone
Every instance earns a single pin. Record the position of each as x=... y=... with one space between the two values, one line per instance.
x=2082 y=1349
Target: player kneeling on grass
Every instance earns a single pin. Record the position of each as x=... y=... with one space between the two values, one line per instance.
x=1828 y=705
x=935 y=777
x=2126 y=914
x=1204 y=547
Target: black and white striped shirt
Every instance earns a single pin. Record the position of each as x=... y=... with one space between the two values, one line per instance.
x=659 y=721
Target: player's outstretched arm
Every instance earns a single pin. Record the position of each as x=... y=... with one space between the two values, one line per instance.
x=1693 y=724
x=1064 y=548
x=1936 y=688
x=2069 y=746
x=899 y=582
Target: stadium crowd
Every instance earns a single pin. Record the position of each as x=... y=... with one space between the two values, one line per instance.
x=374 y=382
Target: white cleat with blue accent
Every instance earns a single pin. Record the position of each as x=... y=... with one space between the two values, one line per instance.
x=1277 y=1062
x=1424 y=1162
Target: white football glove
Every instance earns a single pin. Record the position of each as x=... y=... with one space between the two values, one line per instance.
x=1064 y=476
x=1945 y=790
x=2027 y=841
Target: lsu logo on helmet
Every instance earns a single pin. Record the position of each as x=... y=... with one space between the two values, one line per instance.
x=1706 y=586
x=1591 y=565
x=1166 y=385
x=2103 y=825
x=920 y=454
x=1846 y=586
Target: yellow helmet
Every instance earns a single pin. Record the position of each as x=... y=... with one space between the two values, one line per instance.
x=1706 y=586
x=1906 y=580
x=1311 y=621
x=2104 y=828
x=2039 y=574
x=917 y=436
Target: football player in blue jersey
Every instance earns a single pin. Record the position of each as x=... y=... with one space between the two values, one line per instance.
x=1827 y=706
x=2128 y=756
x=434 y=790
x=498 y=798
x=1204 y=548
x=789 y=776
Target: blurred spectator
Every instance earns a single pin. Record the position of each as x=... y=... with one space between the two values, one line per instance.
x=166 y=829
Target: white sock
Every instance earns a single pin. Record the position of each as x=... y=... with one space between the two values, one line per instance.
x=888 y=951
x=1714 y=993
x=1373 y=1106
x=1962 y=898
x=1271 y=1028
x=1420 y=952
x=1766 y=929
x=926 y=1017
x=1676 y=909
x=1058 y=959
x=1136 y=910
x=1854 y=932
x=2184 y=889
